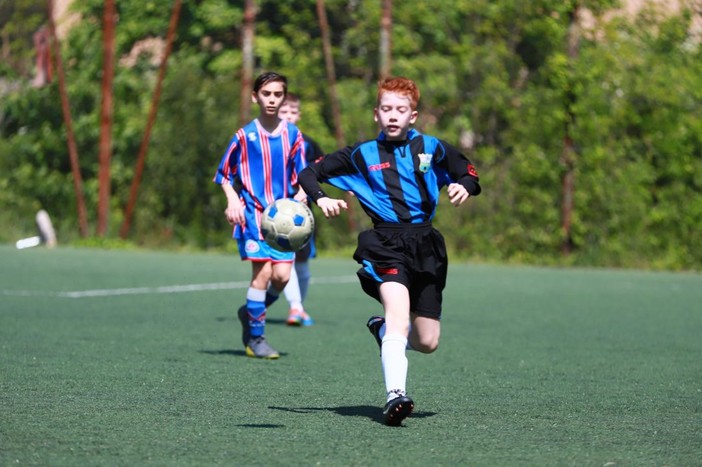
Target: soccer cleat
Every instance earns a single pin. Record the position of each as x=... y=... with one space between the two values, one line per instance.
x=374 y=324
x=243 y=314
x=397 y=410
x=299 y=318
x=258 y=347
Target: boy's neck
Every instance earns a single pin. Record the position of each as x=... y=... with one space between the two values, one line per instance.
x=269 y=123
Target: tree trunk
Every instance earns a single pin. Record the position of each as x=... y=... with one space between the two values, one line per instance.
x=105 y=153
x=68 y=122
x=336 y=112
x=141 y=158
x=247 y=65
x=568 y=155
x=386 y=40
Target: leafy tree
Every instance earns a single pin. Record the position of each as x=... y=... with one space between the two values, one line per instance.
x=496 y=79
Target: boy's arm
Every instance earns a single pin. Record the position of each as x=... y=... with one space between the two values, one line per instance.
x=461 y=170
x=231 y=185
x=234 y=211
x=330 y=206
x=331 y=165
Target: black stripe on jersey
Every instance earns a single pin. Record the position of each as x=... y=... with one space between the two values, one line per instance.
x=392 y=179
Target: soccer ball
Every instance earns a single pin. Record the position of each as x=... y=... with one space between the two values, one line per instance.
x=287 y=224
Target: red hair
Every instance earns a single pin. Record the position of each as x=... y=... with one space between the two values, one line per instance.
x=402 y=86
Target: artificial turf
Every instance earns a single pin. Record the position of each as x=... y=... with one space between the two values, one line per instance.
x=134 y=358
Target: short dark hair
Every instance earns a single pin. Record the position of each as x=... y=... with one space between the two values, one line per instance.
x=267 y=77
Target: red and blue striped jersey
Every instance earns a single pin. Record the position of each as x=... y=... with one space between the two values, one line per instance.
x=262 y=166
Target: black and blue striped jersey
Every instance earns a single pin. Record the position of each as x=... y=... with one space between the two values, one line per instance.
x=395 y=181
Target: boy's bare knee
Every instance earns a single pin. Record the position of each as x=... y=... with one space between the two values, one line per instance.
x=426 y=344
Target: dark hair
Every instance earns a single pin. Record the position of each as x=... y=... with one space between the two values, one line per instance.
x=267 y=77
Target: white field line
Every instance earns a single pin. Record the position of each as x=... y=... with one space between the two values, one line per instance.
x=167 y=289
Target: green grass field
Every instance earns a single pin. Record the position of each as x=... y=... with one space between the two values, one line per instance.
x=134 y=358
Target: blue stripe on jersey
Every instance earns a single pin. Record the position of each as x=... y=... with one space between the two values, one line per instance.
x=356 y=183
x=371 y=189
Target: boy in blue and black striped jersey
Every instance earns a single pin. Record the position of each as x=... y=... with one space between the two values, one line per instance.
x=397 y=179
x=260 y=165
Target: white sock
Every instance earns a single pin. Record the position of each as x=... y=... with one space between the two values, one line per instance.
x=303 y=275
x=292 y=291
x=395 y=364
x=381 y=333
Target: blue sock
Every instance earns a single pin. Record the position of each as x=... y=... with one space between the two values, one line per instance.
x=256 y=306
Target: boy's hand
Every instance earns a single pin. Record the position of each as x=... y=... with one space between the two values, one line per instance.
x=331 y=207
x=235 y=212
x=301 y=196
x=457 y=194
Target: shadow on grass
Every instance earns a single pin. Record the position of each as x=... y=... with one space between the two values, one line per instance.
x=260 y=425
x=236 y=353
x=368 y=411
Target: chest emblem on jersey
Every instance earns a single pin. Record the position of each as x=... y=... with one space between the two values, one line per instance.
x=424 y=162
x=251 y=135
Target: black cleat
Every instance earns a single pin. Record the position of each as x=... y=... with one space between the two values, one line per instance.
x=374 y=324
x=397 y=410
x=243 y=314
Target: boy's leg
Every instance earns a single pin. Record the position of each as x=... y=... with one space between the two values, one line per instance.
x=303 y=273
x=296 y=315
x=396 y=303
x=256 y=312
x=256 y=307
x=279 y=277
x=292 y=291
x=424 y=333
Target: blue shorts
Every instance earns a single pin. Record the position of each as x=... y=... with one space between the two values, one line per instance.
x=258 y=250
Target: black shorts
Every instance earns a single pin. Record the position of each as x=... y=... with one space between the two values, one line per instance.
x=413 y=255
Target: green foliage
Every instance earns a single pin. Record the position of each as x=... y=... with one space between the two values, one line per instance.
x=19 y=20
x=496 y=80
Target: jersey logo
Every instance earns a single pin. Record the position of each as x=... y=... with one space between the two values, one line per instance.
x=252 y=246
x=381 y=166
x=390 y=271
x=424 y=162
x=252 y=136
x=472 y=171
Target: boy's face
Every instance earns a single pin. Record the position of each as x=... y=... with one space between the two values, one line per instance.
x=394 y=115
x=290 y=111
x=269 y=98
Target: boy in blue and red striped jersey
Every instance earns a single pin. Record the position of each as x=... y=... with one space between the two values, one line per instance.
x=260 y=165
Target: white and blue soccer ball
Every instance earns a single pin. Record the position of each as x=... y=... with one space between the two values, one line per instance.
x=287 y=224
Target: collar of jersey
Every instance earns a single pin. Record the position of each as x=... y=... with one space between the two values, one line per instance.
x=411 y=134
